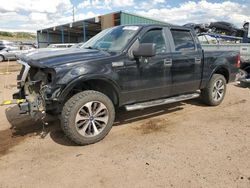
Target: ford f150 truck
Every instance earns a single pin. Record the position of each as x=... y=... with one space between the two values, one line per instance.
x=131 y=66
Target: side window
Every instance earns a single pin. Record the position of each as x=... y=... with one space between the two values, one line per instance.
x=155 y=36
x=183 y=40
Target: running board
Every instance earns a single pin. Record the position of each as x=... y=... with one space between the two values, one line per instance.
x=140 y=106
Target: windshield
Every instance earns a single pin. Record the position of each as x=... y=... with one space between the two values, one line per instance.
x=113 y=39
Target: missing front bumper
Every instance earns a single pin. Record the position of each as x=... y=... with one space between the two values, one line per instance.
x=34 y=103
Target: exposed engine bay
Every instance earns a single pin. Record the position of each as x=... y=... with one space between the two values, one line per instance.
x=32 y=82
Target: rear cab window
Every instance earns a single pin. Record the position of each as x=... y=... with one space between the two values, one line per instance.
x=183 y=40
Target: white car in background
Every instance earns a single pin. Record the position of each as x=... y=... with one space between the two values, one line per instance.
x=5 y=44
x=65 y=45
x=12 y=53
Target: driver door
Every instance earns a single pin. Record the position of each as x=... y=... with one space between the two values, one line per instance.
x=149 y=78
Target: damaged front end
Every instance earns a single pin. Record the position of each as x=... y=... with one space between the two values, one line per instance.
x=33 y=83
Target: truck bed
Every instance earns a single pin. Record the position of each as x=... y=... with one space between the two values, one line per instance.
x=244 y=49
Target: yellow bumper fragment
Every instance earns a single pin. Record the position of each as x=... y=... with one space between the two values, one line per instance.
x=9 y=102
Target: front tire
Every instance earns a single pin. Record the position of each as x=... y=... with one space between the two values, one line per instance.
x=215 y=91
x=87 y=117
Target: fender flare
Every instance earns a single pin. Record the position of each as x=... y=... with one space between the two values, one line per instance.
x=224 y=67
x=85 y=78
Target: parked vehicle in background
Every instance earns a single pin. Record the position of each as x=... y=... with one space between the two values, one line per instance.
x=5 y=44
x=226 y=28
x=12 y=53
x=246 y=61
x=212 y=38
x=66 y=45
x=213 y=42
x=134 y=67
x=246 y=27
x=246 y=37
x=78 y=45
x=199 y=28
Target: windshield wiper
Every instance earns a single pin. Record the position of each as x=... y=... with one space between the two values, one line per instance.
x=95 y=48
x=92 y=48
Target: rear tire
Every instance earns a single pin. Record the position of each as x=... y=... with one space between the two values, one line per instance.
x=87 y=117
x=215 y=91
x=247 y=69
x=244 y=84
x=1 y=58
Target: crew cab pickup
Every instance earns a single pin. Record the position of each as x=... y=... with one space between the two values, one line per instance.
x=130 y=66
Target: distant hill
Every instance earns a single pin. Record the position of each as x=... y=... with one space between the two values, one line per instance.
x=17 y=36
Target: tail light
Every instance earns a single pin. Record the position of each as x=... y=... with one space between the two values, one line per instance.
x=238 y=61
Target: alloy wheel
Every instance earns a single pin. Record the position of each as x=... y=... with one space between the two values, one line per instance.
x=91 y=119
x=218 y=90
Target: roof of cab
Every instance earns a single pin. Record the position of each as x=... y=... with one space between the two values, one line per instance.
x=159 y=25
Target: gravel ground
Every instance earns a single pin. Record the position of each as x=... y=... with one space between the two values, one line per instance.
x=185 y=144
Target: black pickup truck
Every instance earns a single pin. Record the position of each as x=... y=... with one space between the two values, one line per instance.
x=131 y=66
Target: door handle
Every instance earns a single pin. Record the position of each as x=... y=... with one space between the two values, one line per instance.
x=168 y=62
x=197 y=60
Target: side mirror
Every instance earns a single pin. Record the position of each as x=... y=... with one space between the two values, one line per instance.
x=145 y=50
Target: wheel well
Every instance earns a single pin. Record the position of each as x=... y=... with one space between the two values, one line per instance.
x=97 y=85
x=223 y=72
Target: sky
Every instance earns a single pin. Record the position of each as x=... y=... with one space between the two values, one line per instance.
x=32 y=15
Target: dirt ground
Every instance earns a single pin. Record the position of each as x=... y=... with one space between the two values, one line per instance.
x=185 y=144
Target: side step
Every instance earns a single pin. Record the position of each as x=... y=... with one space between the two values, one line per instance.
x=139 y=106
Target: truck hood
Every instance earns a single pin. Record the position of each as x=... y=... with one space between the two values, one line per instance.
x=51 y=58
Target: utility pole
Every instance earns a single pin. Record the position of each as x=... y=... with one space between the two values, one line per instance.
x=73 y=13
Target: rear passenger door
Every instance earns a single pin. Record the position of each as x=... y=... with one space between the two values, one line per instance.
x=186 y=62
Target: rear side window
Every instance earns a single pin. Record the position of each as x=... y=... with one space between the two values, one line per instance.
x=183 y=40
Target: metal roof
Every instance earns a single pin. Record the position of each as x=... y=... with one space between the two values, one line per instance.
x=91 y=21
